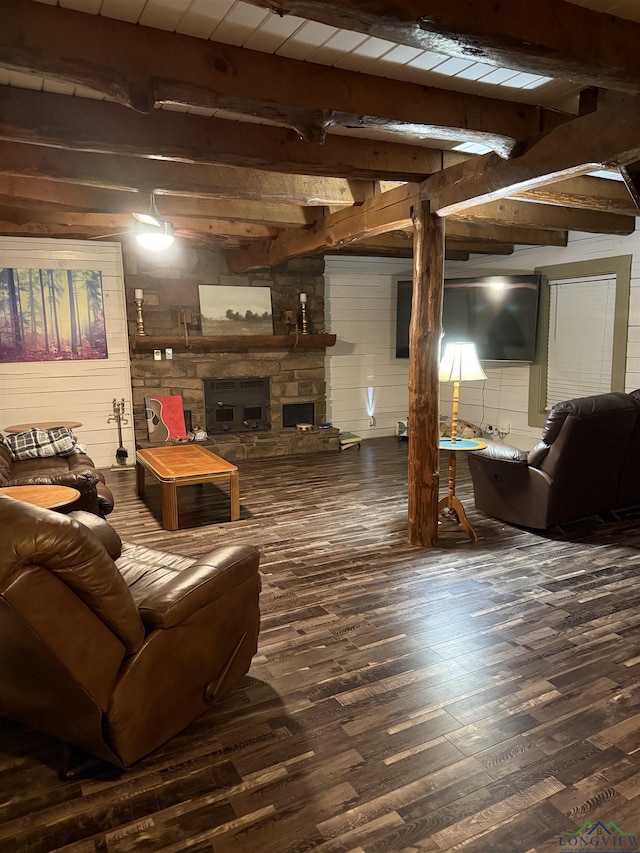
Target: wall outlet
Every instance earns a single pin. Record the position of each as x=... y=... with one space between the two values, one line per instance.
x=157 y=355
x=168 y=353
x=489 y=429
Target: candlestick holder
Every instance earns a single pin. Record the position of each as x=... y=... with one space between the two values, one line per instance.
x=304 y=322
x=139 y=318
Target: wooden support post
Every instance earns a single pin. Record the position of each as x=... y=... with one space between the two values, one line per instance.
x=424 y=353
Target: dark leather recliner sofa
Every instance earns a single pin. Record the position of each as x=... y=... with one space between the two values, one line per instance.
x=77 y=471
x=587 y=462
x=115 y=648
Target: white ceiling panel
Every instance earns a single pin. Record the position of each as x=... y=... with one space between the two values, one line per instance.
x=401 y=54
x=163 y=14
x=25 y=81
x=57 y=87
x=498 y=76
x=202 y=17
x=123 y=10
x=428 y=60
x=273 y=32
x=90 y=6
x=363 y=55
x=238 y=24
x=453 y=66
x=305 y=40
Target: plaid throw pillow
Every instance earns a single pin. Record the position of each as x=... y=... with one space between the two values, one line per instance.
x=35 y=443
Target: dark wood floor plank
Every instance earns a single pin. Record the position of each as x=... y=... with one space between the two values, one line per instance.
x=476 y=697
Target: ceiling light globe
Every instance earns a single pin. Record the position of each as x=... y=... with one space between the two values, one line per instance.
x=155 y=238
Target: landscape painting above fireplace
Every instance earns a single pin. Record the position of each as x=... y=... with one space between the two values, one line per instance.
x=228 y=310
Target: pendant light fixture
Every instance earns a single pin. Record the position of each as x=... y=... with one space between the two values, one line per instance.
x=151 y=230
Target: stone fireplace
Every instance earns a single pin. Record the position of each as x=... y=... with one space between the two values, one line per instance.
x=294 y=375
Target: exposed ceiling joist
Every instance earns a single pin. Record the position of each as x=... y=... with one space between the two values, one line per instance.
x=185 y=179
x=390 y=211
x=595 y=141
x=487 y=232
x=507 y=212
x=77 y=165
x=79 y=124
x=123 y=222
x=34 y=193
x=458 y=191
x=549 y=37
x=609 y=196
x=109 y=57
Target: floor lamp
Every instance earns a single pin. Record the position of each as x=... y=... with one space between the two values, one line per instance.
x=459 y=364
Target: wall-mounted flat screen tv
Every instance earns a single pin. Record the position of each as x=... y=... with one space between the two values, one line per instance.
x=498 y=313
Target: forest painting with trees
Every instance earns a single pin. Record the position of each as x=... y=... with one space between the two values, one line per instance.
x=51 y=315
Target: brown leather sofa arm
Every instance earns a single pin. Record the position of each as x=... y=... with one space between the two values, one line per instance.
x=84 y=481
x=503 y=453
x=105 y=499
x=209 y=579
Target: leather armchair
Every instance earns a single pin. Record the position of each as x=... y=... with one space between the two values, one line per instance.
x=111 y=647
x=586 y=463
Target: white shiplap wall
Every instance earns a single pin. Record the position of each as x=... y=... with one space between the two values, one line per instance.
x=363 y=373
x=74 y=390
x=361 y=310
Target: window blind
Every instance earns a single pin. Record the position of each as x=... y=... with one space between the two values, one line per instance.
x=580 y=345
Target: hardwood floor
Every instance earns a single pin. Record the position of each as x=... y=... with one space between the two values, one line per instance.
x=483 y=698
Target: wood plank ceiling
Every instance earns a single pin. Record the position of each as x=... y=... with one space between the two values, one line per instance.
x=275 y=129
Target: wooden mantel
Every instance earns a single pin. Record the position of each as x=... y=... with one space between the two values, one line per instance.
x=230 y=343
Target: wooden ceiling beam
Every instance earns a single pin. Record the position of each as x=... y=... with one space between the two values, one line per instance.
x=488 y=232
x=390 y=211
x=479 y=247
x=80 y=124
x=120 y=61
x=36 y=193
x=584 y=192
x=601 y=140
x=548 y=37
x=510 y=212
x=401 y=243
x=80 y=232
x=109 y=222
x=110 y=171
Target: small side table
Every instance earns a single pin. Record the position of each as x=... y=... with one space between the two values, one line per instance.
x=15 y=428
x=450 y=505
x=49 y=497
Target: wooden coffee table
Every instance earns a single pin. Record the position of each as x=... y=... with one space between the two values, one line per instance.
x=49 y=497
x=177 y=465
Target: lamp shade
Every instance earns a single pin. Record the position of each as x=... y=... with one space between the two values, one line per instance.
x=460 y=363
x=159 y=236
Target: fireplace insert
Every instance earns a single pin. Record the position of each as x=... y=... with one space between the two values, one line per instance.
x=237 y=405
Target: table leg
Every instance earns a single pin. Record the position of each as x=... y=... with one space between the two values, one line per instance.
x=169 y=506
x=451 y=506
x=140 y=478
x=234 y=495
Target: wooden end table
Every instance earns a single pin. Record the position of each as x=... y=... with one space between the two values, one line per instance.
x=14 y=428
x=177 y=465
x=48 y=497
x=450 y=505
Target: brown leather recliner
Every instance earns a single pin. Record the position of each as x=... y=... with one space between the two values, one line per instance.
x=586 y=463
x=116 y=657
